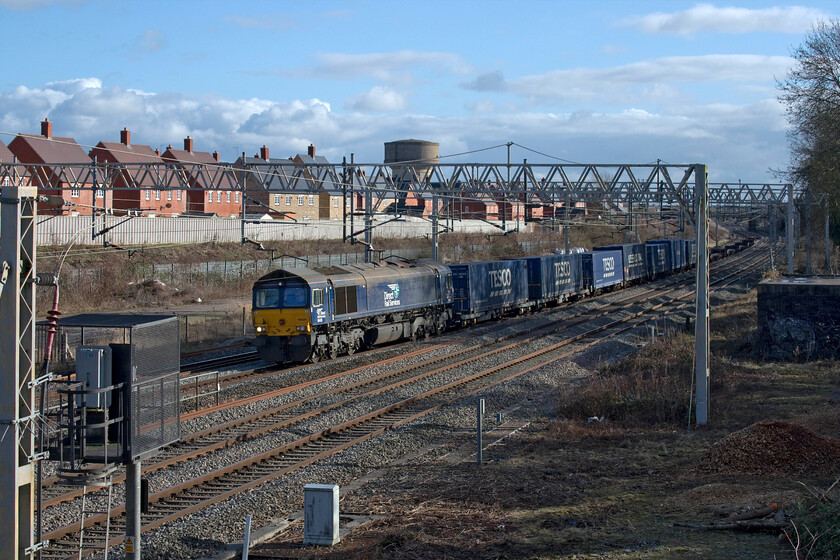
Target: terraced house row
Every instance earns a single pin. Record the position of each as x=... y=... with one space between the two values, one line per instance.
x=251 y=186
x=213 y=188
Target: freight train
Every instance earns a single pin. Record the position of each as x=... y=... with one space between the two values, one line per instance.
x=303 y=314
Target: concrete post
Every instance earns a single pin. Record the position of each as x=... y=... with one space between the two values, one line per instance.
x=827 y=238
x=479 y=429
x=789 y=228
x=567 y=212
x=808 y=216
x=132 y=510
x=701 y=329
x=434 y=226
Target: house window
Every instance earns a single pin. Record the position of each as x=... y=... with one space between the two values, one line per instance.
x=311 y=200
x=237 y=196
x=178 y=195
x=157 y=195
x=148 y=194
x=277 y=200
x=218 y=196
x=228 y=196
x=210 y=198
x=335 y=202
x=288 y=200
x=100 y=193
x=168 y=195
x=74 y=193
x=300 y=200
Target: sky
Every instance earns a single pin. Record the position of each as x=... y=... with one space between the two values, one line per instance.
x=593 y=81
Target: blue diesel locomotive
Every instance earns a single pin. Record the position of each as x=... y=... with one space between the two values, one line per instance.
x=309 y=314
x=304 y=314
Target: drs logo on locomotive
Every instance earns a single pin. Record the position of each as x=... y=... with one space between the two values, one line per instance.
x=392 y=298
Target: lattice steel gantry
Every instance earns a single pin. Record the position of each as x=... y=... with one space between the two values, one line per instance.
x=18 y=416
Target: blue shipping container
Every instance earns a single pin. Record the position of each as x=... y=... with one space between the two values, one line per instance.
x=486 y=289
x=657 y=258
x=690 y=252
x=633 y=259
x=553 y=277
x=601 y=269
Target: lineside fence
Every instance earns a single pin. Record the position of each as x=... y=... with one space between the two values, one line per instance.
x=58 y=231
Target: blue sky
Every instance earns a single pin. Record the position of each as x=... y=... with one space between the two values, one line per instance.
x=592 y=82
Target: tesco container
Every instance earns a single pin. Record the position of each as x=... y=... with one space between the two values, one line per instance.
x=484 y=290
x=633 y=260
x=602 y=269
x=553 y=278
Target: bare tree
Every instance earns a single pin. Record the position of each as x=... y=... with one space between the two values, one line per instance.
x=811 y=93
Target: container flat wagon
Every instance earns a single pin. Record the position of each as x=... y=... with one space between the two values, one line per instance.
x=486 y=290
x=632 y=259
x=657 y=259
x=553 y=278
x=601 y=269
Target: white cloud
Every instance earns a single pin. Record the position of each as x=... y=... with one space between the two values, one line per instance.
x=384 y=66
x=737 y=141
x=710 y=18
x=377 y=99
x=72 y=87
x=648 y=80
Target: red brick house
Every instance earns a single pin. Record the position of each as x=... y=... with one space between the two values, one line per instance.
x=136 y=190
x=213 y=187
x=70 y=182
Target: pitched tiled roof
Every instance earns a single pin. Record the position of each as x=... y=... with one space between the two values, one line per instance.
x=212 y=175
x=131 y=153
x=117 y=152
x=55 y=150
x=6 y=156
x=326 y=181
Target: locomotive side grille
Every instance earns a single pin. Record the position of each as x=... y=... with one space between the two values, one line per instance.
x=345 y=300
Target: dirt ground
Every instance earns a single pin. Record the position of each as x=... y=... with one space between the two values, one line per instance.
x=563 y=488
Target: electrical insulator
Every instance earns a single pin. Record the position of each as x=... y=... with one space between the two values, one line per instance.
x=45 y=279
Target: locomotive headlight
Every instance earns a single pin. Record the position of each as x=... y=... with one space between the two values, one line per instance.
x=302 y=328
x=260 y=329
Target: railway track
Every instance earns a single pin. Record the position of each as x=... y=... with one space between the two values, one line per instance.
x=190 y=496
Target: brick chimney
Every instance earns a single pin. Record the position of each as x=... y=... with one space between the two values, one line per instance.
x=216 y=155
x=311 y=150
x=264 y=153
x=157 y=152
x=125 y=137
x=188 y=144
x=46 y=128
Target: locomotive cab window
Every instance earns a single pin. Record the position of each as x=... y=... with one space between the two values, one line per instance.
x=317 y=297
x=280 y=297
